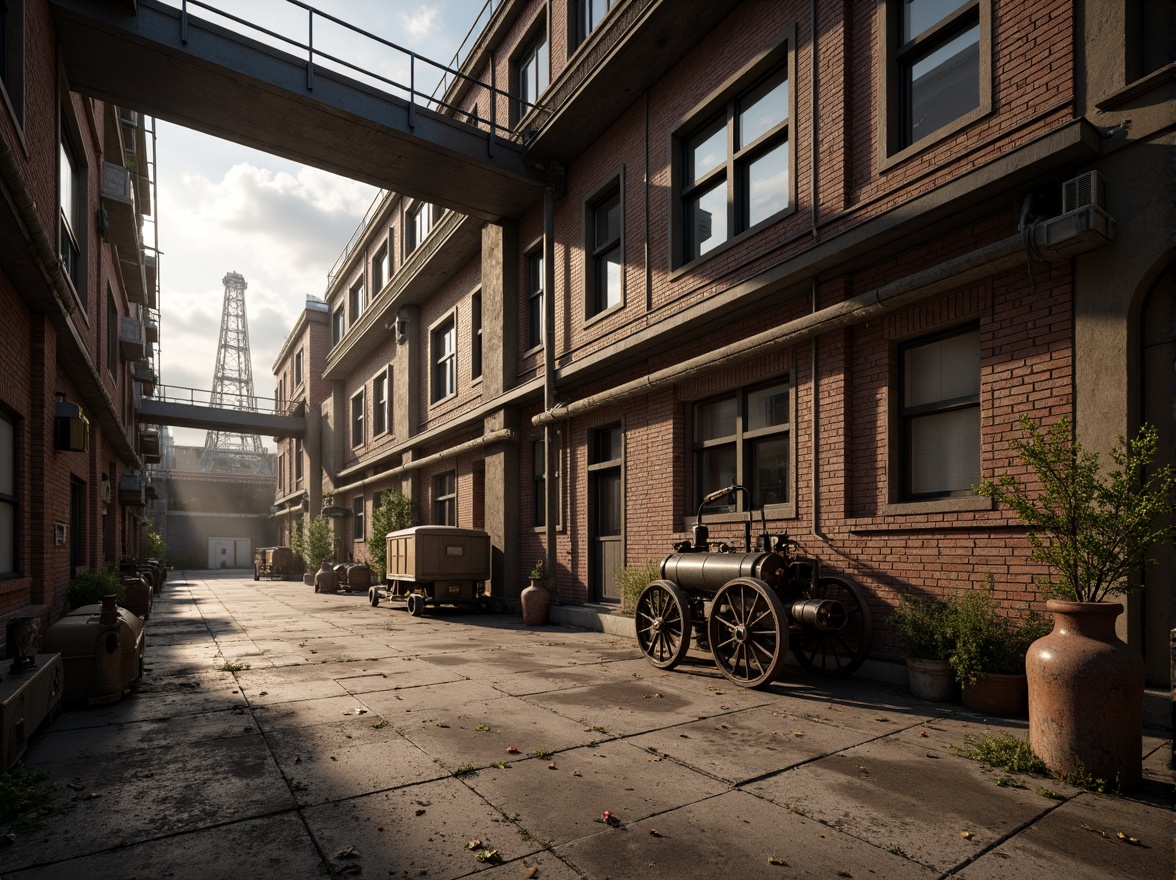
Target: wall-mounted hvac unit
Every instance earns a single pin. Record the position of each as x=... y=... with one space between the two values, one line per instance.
x=1083 y=224
x=1084 y=191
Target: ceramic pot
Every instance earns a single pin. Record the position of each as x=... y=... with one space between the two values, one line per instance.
x=997 y=694
x=1086 y=694
x=931 y=680
x=536 y=601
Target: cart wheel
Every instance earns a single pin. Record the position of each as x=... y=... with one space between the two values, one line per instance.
x=373 y=596
x=416 y=604
x=836 y=652
x=663 y=624
x=748 y=632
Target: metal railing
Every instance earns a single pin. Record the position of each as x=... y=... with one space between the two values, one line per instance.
x=225 y=400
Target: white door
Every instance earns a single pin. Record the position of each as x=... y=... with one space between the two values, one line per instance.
x=221 y=553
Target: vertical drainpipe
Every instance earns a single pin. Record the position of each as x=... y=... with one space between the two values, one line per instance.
x=814 y=348
x=550 y=452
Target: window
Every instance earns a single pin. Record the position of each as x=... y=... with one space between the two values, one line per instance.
x=380 y=404
x=539 y=483
x=735 y=166
x=298 y=461
x=298 y=368
x=444 y=339
x=420 y=222
x=7 y=495
x=588 y=14
x=355 y=301
x=12 y=55
x=281 y=473
x=535 y=318
x=72 y=214
x=337 y=326
x=936 y=61
x=531 y=70
x=1151 y=36
x=112 y=332
x=745 y=438
x=357 y=420
x=939 y=415
x=381 y=273
x=476 y=336
x=357 y=517
x=445 y=499
x=603 y=277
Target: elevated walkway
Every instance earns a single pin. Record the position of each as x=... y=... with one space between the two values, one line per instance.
x=170 y=64
x=180 y=408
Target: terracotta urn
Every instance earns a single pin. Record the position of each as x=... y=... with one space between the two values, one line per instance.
x=1086 y=694
x=995 y=693
x=536 y=601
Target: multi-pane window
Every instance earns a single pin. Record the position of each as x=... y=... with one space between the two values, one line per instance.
x=589 y=13
x=380 y=404
x=71 y=214
x=476 y=336
x=938 y=63
x=357 y=420
x=444 y=345
x=357 y=518
x=281 y=472
x=939 y=415
x=355 y=301
x=7 y=495
x=744 y=438
x=535 y=300
x=297 y=461
x=112 y=328
x=604 y=277
x=337 y=325
x=539 y=482
x=531 y=72
x=735 y=166
x=445 y=499
x=298 y=368
x=420 y=221
x=380 y=269
x=12 y=54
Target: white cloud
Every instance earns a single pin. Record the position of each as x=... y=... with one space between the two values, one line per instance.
x=420 y=24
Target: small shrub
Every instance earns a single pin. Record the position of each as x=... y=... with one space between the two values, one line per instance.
x=632 y=580
x=153 y=545
x=396 y=512
x=20 y=792
x=1003 y=752
x=926 y=626
x=91 y=585
x=988 y=641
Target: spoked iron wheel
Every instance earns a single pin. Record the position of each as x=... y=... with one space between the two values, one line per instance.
x=837 y=651
x=748 y=632
x=663 y=624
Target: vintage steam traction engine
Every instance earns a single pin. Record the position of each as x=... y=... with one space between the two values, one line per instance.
x=750 y=608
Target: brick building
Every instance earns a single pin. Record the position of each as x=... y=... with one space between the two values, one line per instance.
x=831 y=252
x=78 y=311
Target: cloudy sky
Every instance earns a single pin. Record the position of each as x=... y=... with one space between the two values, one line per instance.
x=227 y=208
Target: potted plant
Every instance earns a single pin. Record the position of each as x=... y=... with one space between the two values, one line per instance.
x=535 y=598
x=1094 y=529
x=988 y=656
x=926 y=628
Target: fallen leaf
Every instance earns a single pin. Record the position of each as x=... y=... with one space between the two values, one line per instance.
x=798 y=733
x=923 y=733
x=1126 y=838
x=420 y=811
x=347 y=853
x=966 y=835
x=351 y=868
x=772 y=860
x=552 y=766
x=355 y=711
x=442 y=724
x=511 y=750
x=264 y=694
x=489 y=856
x=88 y=796
x=575 y=772
x=653 y=832
x=473 y=844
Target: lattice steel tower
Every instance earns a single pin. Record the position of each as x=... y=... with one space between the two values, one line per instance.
x=232 y=388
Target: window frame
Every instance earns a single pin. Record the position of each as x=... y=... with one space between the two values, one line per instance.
x=381 y=266
x=381 y=423
x=73 y=262
x=596 y=253
x=581 y=26
x=416 y=232
x=298 y=376
x=539 y=486
x=724 y=102
x=12 y=60
x=357 y=419
x=10 y=462
x=744 y=442
x=891 y=90
x=356 y=301
x=905 y=416
x=536 y=55
x=534 y=280
x=299 y=467
x=476 y=335
x=113 y=334
x=338 y=324
x=445 y=498
x=443 y=361
x=358 y=529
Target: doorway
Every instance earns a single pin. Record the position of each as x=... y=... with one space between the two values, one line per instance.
x=606 y=542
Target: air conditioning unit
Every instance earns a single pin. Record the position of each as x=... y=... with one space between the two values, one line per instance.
x=1084 y=191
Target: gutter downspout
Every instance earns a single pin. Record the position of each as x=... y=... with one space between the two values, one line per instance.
x=998 y=257
x=50 y=268
x=550 y=453
x=503 y=436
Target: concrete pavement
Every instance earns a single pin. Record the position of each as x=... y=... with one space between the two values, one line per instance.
x=280 y=733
